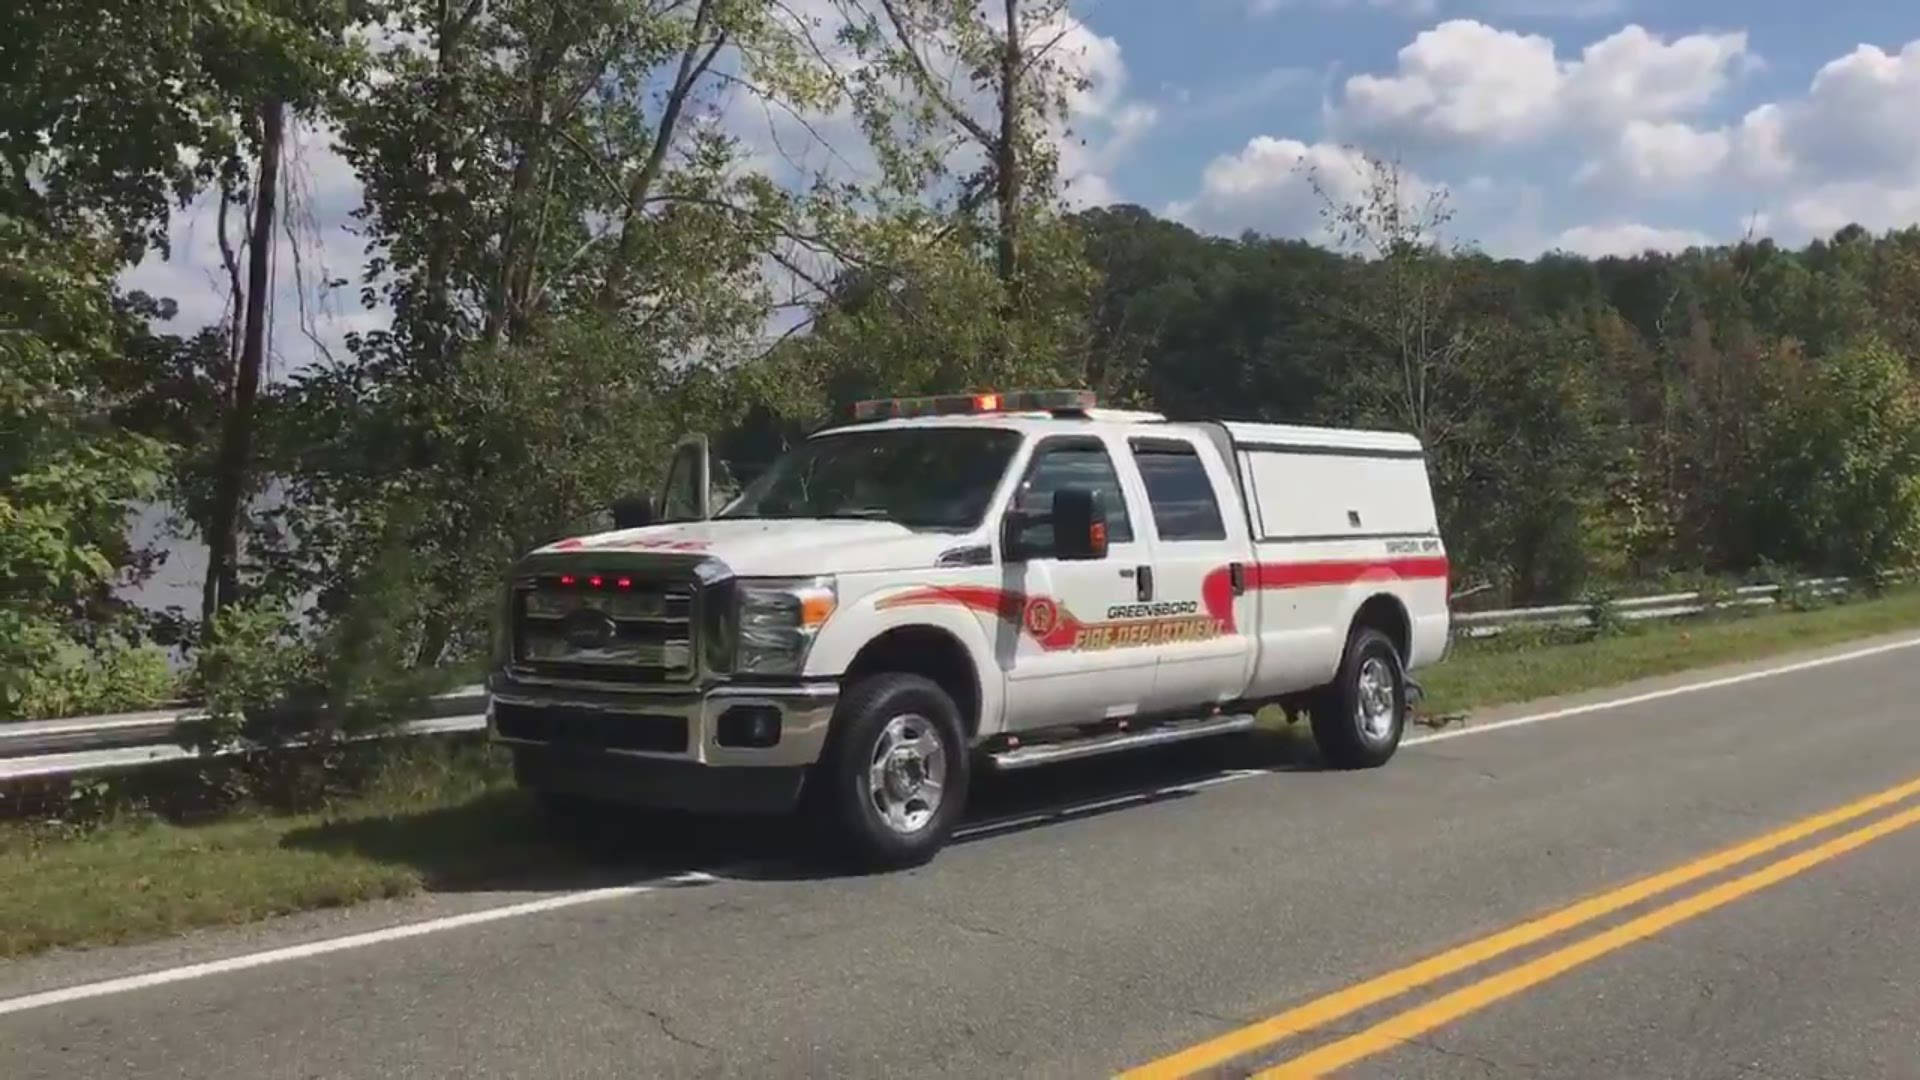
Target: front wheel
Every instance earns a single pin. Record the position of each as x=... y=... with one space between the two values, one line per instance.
x=896 y=771
x=1358 y=719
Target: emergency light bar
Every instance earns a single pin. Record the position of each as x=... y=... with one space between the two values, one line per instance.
x=974 y=404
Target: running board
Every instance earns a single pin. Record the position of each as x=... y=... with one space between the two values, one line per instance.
x=1027 y=757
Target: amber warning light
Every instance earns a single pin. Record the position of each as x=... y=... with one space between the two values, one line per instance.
x=1055 y=401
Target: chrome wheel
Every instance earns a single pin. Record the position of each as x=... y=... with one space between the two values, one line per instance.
x=907 y=775
x=1375 y=698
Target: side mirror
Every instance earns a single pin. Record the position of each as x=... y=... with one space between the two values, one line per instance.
x=1079 y=525
x=634 y=512
x=1079 y=529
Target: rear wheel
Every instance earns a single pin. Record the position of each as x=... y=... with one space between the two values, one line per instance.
x=896 y=771
x=1359 y=718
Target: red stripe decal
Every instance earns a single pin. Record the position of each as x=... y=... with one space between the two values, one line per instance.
x=1216 y=592
x=1054 y=627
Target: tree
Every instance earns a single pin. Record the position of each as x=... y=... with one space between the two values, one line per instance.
x=1839 y=476
x=1405 y=310
x=67 y=471
x=1005 y=103
x=534 y=215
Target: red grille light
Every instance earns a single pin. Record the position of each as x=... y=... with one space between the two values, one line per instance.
x=1058 y=401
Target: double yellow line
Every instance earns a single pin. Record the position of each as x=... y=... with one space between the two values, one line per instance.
x=1452 y=1006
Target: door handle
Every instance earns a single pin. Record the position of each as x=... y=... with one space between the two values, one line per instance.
x=1143 y=579
x=1237 y=577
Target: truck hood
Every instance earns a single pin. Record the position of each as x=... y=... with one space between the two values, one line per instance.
x=774 y=548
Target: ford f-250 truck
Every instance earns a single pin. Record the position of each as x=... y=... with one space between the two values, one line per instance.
x=980 y=580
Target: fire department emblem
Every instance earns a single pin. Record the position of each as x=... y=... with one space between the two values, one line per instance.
x=1042 y=615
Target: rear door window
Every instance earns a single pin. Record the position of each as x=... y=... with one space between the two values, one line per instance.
x=1185 y=506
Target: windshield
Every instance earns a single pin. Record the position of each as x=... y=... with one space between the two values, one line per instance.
x=923 y=478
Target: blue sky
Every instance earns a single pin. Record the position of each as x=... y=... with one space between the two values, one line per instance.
x=1687 y=121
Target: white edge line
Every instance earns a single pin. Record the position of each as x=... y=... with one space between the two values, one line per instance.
x=1658 y=695
x=340 y=944
x=617 y=892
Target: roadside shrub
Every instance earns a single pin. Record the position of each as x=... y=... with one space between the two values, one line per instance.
x=48 y=674
x=1603 y=612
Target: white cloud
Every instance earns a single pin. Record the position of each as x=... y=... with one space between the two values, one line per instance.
x=1857 y=118
x=1464 y=82
x=1625 y=239
x=1827 y=208
x=1268 y=187
x=1634 y=74
x=1845 y=151
x=1659 y=155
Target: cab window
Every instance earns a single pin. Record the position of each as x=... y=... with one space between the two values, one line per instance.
x=1062 y=463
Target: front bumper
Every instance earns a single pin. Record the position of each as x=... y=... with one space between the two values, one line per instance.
x=660 y=747
x=673 y=725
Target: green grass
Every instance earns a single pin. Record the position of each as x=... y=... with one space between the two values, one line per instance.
x=448 y=819
x=429 y=819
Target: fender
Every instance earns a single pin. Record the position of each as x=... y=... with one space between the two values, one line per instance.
x=856 y=624
x=1426 y=634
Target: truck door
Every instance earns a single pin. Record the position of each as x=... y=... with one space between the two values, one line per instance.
x=1202 y=611
x=1062 y=664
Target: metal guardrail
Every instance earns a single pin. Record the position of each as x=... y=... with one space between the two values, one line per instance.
x=1635 y=609
x=48 y=749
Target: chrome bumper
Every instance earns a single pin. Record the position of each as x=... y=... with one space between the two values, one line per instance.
x=805 y=710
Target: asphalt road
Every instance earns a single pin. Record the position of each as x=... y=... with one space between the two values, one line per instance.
x=1086 y=943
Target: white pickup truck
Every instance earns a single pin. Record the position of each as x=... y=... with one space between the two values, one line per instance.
x=986 y=580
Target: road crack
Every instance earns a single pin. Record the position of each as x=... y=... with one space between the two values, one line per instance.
x=620 y=1003
x=666 y=1028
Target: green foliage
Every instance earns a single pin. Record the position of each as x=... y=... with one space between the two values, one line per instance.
x=253 y=665
x=1839 y=484
x=58 y=676
x=1603 y=612
x=67 y=473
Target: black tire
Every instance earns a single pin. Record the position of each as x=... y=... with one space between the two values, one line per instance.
x=1345 y=738
x=860 y=834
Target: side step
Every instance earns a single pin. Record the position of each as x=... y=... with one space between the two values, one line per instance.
x=1027 y=757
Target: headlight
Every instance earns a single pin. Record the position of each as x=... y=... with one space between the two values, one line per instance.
x=777 y=622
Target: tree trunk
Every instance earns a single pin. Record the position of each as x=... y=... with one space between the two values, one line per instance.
x=1007 y=167
x=236 y=437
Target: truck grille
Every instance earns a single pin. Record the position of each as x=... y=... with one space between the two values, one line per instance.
x=625 y=629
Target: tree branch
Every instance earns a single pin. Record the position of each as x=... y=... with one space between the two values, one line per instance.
x=929 y=85
x=692 y=65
